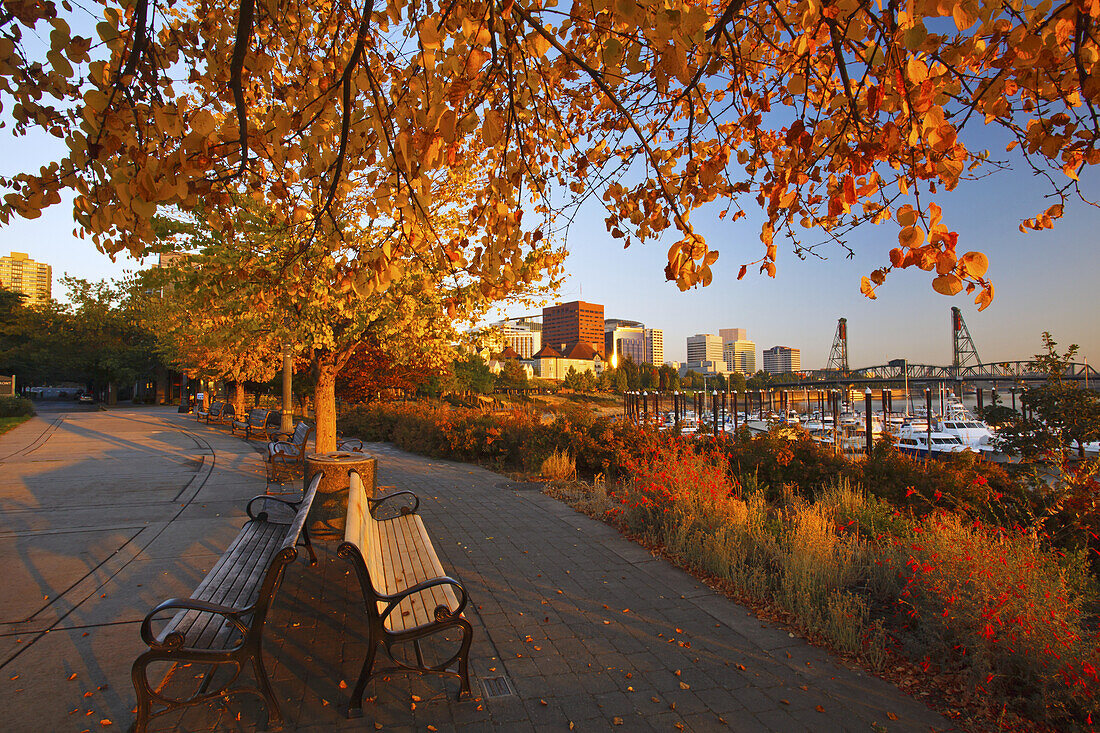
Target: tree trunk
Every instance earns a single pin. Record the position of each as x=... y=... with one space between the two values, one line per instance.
x=161 y=381
x=324 y=400
x=237 y=398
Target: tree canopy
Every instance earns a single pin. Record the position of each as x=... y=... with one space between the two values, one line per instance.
x=822 y=114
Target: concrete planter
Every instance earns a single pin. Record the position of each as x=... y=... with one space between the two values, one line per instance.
x=329 y=511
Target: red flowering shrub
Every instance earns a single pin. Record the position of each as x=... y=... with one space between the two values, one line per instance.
x=994 y=603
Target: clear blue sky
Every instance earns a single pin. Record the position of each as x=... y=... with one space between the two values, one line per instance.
x=1044 y=280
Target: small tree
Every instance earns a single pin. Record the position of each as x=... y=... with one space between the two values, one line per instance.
x=512 y=375
x=472 y=374
x=1056 y=416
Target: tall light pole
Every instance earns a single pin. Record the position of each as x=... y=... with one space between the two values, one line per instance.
x=287 y=423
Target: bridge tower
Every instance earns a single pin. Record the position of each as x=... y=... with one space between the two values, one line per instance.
x=838 y=356
x=964 y=350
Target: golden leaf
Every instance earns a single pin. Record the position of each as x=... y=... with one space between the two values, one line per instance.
x=907 y=216
x=948 y=284
x=911 y=236
x=975 y=264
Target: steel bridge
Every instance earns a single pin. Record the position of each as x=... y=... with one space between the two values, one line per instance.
x=967 y=366
x=899 y=371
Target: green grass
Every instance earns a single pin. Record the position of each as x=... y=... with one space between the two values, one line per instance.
x=7 y=423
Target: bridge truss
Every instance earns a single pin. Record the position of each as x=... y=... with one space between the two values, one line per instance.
x=900 y=371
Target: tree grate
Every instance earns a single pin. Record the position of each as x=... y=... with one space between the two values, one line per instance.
x=496 y=687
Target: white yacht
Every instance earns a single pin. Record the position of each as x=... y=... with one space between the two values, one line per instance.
x=974 y=433
x=913 y=439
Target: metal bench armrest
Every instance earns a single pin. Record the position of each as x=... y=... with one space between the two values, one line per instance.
x=374 y=504
x=174 y=639
x=349 y=444
x=263 y=516
x=392 y=601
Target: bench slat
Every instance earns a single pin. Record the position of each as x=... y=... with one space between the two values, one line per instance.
x=443 y=595
x=422 y=565
x=228 y=584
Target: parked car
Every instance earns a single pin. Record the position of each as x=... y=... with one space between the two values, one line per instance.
x=85 y=397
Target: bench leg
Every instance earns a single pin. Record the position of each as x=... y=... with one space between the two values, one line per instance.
x=144 y=695
x=355 y=705
x=464 y=658
x=274 y=714
x=309 y=545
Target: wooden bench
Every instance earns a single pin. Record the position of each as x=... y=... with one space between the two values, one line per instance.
x=288 y=453
x=291 y=452
x=222 y=622
x=215 y=410
x=407 y=595
x=259 y=421
x=226 y=417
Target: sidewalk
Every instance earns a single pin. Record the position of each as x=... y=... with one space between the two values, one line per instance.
x=104 y=514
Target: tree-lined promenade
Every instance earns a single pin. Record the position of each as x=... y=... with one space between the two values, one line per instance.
x=350 y=182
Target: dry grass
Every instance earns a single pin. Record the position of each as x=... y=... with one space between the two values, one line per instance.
x=559 y=466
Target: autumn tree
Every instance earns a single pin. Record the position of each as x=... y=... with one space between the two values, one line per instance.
x=822 y=114
x=372 y=370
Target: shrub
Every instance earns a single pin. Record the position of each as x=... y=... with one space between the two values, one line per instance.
x=16 y=407
x=995 y=604
x=558 y=466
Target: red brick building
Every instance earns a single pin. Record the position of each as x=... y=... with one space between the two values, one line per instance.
x=565 y=325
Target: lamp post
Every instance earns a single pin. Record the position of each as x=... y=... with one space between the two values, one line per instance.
x=286 y=425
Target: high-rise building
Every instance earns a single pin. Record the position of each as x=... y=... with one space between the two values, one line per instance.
x=733 y=334
x=571 y=323
x=704 y=347
x=655 y=346
x=737 y=351
x=782 y=359
x=522 y=334
x=623 y=338
x=23 y=275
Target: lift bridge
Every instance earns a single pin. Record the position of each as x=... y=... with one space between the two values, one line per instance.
x=967 y=366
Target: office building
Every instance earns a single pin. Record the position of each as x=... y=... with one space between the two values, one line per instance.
x=568 y=324
x=623 y=338
x=704 y=347
x=23 y=275
x=524 y=335
x=737 y=351
x=782 y=360
x=730 y=335
x=654 y=346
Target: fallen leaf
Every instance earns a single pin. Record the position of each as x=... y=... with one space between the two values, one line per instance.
x=543 y=702
x=820 y=708
x=432 y=728
x=105 y=722
x=685 y=686
x=343 y=685
x=616 y=720
x=654 y=699
x=785 y=702
x=891 y=716
x=629 y=675
x=416 y=698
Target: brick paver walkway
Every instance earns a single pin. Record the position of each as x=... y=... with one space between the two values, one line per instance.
x=580 y=628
